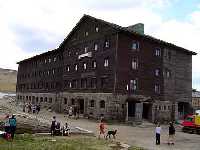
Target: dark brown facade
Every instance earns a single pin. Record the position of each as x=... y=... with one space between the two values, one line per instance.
x=110 y=70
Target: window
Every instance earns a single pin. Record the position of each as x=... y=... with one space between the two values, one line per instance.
x=107 y=44
x=157 y=72
x=92 y=103
x=86 y=33
x=158 y=52
x=49 y=60
x=95 y=47
x=86 y=49
x=168 y=73
x=102 y=104
x=134 y=63
x=157 y=88
x=83 y=83
x=94 y=64
x=41 y=99
x=94 y=83
x=69 y=53
x=76 y=67
x=84 y=66
x=133 y=85
x=45 y=61
x=65 y=101
x=54 y=59
x=50 y=100
x=53 y=71
x=106 y=62
x=97 y=29
x=70 y=85
x=135 y=45
x=45 y=99
x=73 y=101
x=104 y=82
x=74 y=83
x=68 y=68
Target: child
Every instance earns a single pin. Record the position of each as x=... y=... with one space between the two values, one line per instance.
x=158 y=130
x=66 y=130
x=102 y=129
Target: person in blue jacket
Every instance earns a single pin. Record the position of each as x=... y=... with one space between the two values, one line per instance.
x=13 y=123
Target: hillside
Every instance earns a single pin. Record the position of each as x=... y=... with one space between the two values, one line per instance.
x=8 y=79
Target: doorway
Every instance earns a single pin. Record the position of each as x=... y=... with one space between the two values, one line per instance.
x=81 y=105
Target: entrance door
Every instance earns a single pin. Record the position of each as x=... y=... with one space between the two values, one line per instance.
x=146 y=110
x=81 y=106
x=131 y=109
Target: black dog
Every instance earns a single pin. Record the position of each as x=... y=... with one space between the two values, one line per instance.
x=113 y=133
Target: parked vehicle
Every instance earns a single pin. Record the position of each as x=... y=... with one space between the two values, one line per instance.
x=191 y=124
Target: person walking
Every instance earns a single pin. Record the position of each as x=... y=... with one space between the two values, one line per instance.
x=13 y=123
x=158 y=131
x=171 y=134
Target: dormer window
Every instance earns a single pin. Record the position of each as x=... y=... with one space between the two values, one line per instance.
x=97 y=29
x=135 y=45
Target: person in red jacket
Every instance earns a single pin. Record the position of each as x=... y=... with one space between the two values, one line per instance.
x=102 y=128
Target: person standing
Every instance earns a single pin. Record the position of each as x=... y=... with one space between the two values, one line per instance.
x=53 y=126
x=171 y=133
x=13 y=123
x=158 y=131
x=7 y=124
x=102 y=128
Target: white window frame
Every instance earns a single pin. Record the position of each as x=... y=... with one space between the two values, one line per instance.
x=106 y=62
x=157 y=88
x=68 y=68
x=76 y=67
x=84 y=66
x=135 y=45
x=134 y=64
x=95 y=46
x=158 y=52
x=97 y=29
x=86 y=33
x=94 y=64
x=107 y=44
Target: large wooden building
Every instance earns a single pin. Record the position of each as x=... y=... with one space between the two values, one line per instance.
x=111 y=71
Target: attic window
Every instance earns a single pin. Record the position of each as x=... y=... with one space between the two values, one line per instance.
x=135 y=45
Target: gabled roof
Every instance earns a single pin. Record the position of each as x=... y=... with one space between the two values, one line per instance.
x=125 y=29
x=40 y=55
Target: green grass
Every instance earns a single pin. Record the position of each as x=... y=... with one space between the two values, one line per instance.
x=31 y=142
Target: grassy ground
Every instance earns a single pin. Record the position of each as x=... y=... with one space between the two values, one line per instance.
x=30 y=142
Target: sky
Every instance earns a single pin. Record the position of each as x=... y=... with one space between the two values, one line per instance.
x=30 y=27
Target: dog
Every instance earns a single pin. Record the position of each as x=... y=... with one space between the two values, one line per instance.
x=111 y=132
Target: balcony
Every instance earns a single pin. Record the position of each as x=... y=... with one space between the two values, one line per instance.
x=88 y=54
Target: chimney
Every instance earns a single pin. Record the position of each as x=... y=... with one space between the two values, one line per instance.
x=139 y=28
